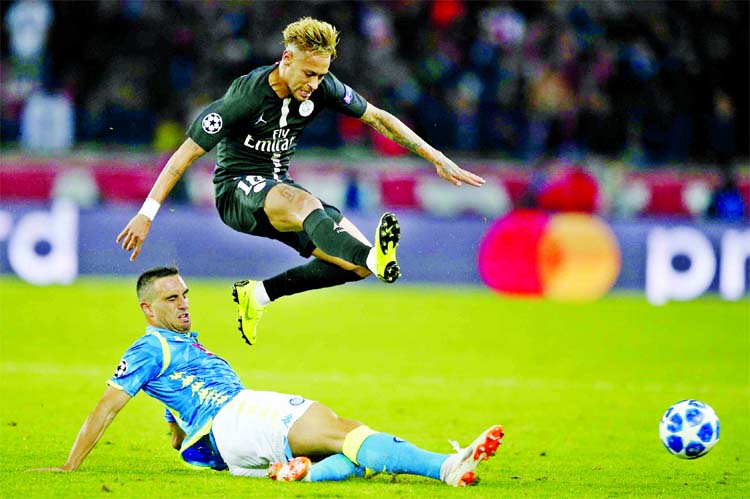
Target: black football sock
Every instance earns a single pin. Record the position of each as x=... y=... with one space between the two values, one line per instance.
x=316 y=274
x=333 y=240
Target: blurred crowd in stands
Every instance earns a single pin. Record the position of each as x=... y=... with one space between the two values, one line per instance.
x=651 y=83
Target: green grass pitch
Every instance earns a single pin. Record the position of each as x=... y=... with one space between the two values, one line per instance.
x=580 y=388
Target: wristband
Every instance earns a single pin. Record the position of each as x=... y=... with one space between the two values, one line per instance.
x=149 y=209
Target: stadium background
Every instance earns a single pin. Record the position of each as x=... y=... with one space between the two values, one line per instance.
x=614 y=137
x=633 y=111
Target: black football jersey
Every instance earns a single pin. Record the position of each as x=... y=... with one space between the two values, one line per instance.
x=256 y=131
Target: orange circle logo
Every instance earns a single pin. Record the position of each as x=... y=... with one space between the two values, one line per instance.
x=567 y=256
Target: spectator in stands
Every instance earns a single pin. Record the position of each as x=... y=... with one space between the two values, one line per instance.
x=48 y=121
x=726 y=202
x=487 y=78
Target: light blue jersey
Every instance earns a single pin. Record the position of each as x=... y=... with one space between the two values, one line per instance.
x=177 y=370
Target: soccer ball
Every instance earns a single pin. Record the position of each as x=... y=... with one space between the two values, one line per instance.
x=689 y=429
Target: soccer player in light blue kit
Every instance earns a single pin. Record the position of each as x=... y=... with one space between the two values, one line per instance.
x=220 y=424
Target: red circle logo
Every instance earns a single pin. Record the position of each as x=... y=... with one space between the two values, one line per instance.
x=567 y=256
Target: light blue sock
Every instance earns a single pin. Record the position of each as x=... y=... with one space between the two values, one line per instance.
x=384 y=452
x=333 y=469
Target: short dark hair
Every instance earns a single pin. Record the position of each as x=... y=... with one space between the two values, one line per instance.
x=151 y=275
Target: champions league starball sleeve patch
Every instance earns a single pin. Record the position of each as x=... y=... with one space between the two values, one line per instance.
x=212 y=123
x=348 y=95
x=121 y=369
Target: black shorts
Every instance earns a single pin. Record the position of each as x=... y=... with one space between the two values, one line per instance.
x=240 y=204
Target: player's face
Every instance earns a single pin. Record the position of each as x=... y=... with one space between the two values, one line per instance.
x=304 y=72
x=166 y=306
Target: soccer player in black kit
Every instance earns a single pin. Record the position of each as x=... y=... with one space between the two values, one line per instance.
x=255 y=126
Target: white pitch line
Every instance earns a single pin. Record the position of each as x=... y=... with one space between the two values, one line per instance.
x=436 y=381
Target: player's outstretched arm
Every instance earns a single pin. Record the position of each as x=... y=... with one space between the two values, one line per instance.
x=135 y=232
x=93 y=428
x=393 y=128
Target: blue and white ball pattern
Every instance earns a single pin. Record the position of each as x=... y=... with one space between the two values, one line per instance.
x=689 y=429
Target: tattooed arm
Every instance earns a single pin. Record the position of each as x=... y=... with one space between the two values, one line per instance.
x=393 y=128
x=135 y=232
x=176 y=166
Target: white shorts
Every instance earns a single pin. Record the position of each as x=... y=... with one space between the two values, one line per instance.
x=251 y=430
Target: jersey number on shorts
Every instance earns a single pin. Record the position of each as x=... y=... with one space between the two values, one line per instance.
x=256 y=184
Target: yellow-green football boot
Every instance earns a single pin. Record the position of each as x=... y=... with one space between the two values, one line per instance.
x=249 y=310
x=387 y=236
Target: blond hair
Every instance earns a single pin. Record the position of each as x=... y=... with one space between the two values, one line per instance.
x=311 y=35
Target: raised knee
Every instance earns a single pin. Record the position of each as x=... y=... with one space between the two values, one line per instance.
x=301 y=202
x=287 y=207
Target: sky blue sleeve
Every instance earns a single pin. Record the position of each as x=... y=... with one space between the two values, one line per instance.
x=168 y=416
x=141 y=363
